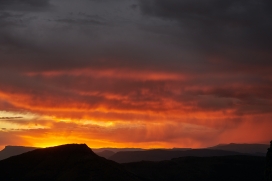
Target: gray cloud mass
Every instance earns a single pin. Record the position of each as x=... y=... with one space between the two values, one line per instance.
x=24 y=5
x=185 y=56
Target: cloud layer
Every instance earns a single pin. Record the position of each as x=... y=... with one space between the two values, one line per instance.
x=150 y=73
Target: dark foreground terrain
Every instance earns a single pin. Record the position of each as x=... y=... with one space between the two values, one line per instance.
x=160 y=155
x=225 y=168
x=79 y=163
x=63 y=163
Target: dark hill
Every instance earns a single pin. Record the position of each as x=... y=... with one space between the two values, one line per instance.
x=115 y=150
x=160 y=155
x=226 y=168
x=63 y=163
x=256 y=149
x=105 y=153
x=9 y=151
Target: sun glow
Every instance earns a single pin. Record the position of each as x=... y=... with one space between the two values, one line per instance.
x=83 y=122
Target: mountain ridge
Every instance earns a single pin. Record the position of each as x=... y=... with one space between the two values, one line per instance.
x=160 y=155
x=66 y=162
x=10 y=151
x=255 y=149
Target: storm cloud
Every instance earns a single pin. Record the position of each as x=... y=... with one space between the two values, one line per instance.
x=24 y=5
x=136 y=66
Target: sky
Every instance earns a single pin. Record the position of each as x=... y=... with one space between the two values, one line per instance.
x=135 y=73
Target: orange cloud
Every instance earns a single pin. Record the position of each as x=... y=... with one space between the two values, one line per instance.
x=143 y=109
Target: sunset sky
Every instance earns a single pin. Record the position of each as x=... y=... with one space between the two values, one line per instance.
x=135 y=73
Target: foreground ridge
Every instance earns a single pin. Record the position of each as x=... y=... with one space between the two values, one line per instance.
x=268 y=170
x=73 y=162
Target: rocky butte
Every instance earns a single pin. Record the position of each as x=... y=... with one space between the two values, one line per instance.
x=72 y=162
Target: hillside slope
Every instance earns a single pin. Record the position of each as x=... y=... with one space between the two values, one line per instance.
x=9 y=151
x=63 y=163
x=160 y=155
x=225 y=168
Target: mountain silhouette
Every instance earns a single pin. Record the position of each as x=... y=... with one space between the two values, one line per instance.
x=255 y=149
x=115 y=150
x=160 y=154
x=71 y=162
x=9 y=151
x=223 y=168
x=105 y=153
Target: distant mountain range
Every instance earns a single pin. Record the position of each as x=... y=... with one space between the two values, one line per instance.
x=77 y=162
x=97 y=150
x=9 y=151
x=254 y=149
x=160 y=155
x=124 y=155
x=105 y=153
x=108 y=152
x=63 y=163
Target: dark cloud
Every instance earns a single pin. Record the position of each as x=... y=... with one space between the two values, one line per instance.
x=239 y=31
x=80 y=21
x=139 y=61
x=14 y=18
x=24 y=5
x=4 y=15
x=227 y=36
x=8 y=20
x=242 y=13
